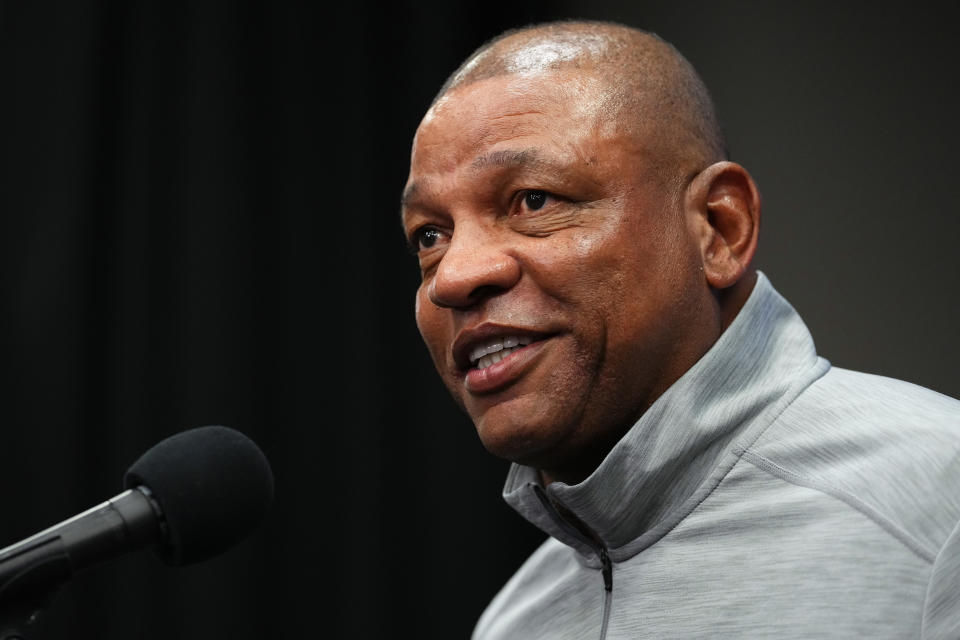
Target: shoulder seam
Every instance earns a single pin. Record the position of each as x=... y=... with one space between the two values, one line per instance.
x=885 y=523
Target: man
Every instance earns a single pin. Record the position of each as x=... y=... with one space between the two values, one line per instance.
x=588 y=298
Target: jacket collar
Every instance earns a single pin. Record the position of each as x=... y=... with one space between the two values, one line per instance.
x=686 y=442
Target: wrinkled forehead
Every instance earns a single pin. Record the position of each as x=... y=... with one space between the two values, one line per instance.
x=581 y=96
x=540 y=123
x=588 y=92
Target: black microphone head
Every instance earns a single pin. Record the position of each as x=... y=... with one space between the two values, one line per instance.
x=213 y=485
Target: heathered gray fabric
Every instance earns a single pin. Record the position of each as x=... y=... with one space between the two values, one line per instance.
x=764 y=495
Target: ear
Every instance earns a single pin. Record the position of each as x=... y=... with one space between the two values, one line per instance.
x=723 y=209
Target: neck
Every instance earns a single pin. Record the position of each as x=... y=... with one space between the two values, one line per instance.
x=732 y=299
x=729 y=301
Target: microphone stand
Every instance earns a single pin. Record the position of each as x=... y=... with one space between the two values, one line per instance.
x=32 y=570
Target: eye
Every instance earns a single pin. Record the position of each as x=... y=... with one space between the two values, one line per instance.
x=535 y=200
x=424 y=238
x=427 y=237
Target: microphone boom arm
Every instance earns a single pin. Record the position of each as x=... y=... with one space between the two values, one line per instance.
x=32 y=570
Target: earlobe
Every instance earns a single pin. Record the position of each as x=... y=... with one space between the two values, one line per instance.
x=723 y=205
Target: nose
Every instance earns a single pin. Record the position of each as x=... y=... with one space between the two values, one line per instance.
x=475 y=266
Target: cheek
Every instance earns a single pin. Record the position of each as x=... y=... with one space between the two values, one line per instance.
x=429 y=322
x=586 y=268
x=417 y=306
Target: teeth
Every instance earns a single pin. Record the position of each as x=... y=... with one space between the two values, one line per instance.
x=496 y=350
x=493 y=358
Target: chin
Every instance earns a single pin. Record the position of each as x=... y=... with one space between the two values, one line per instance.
x=531 y=443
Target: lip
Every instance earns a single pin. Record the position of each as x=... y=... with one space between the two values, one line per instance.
x=503 y=373
x=467 y=339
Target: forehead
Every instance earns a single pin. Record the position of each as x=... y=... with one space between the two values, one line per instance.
x=489 y=120
x=572 y=94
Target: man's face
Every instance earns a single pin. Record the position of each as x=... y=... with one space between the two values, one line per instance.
x=547 y=237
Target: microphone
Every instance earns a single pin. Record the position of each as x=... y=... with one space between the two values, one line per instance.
x=192 y=496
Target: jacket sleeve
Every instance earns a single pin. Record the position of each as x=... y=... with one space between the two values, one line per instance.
x=941 y=611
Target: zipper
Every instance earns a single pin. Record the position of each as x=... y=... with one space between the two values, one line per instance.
x=606 y=566
x=607 y=571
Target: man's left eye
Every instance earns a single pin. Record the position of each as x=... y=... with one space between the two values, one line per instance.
x=535 y=199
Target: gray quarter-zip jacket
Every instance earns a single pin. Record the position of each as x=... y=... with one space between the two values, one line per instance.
x=764 y=495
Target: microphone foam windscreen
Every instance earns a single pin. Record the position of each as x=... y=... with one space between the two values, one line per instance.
x=213 y=485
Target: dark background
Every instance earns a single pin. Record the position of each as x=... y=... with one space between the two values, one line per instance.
x=200 y=226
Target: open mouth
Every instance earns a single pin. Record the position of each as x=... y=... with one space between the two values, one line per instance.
x=493 y=362
x=496 y=349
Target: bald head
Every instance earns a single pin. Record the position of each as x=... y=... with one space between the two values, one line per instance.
x=649 y=85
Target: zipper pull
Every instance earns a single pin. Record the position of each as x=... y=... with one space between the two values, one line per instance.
x=606 y=569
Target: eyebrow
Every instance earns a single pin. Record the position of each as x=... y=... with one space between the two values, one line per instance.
x=528 y=158
x=510 y=158
x=408 y=192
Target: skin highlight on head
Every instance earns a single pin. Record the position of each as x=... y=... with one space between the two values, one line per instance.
x=648 y=83
x=569 y=187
